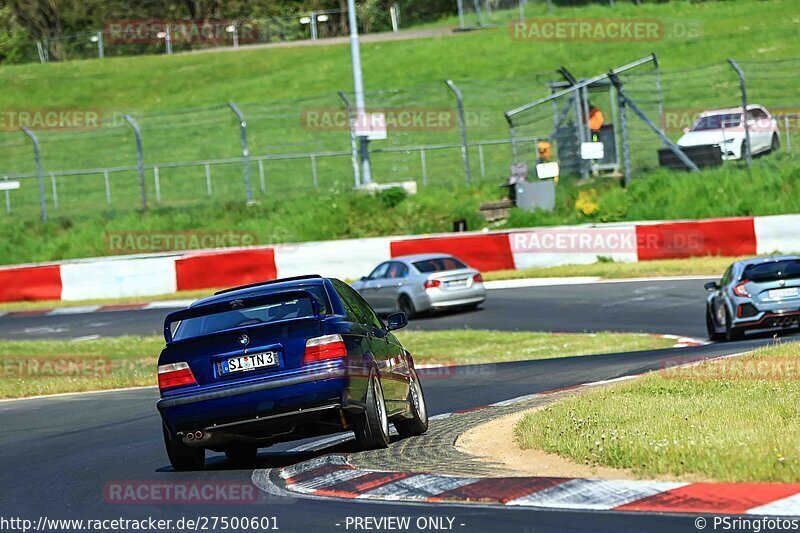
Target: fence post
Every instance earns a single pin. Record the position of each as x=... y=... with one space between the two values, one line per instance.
x=353 y=139
x=101 y=50
x=314 y=171
x=108 y=187
x=626 y=153
x=262 y=177
x=748 y=153
x=579 y=127
x=245 y=151
x=660 y=94
x=55 y=190
x=424 y=162
x=40 y=50
x=483 y=162
x=461 y=23
x=38 y=158
x=139 y=157
x=8 y=198
x=463 y=125
x=157 y=181
x=209 y=191
x=788 y=139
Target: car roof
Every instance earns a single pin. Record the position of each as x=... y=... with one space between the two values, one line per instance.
x=420 y=257
x=268 y=287
x=761 y=260
x=730 y=110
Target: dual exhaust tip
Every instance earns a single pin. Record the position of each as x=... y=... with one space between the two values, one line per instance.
x=197 y=435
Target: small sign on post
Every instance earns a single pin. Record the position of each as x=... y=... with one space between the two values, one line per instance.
x=546 y=171
x=372 y=126
x=592 y=150
x=6 y=185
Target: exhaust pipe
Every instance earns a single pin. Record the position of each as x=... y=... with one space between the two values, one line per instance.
x=190 y=436
x=198 y=435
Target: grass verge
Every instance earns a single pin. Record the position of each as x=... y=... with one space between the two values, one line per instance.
x=726 y=420
x=31 y=368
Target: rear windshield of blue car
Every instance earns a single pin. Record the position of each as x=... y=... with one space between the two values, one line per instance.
x=292 y=307
x=773 y=271
x=440 y=264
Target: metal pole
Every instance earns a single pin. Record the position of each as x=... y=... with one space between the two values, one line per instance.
x=424 y=162
x=626 y=153
x=550 y=7
x=168 y=40
x=157 y=181
x=262 y=177
x=40 y=50
x=38 y=158
x=483 y=163
x=8 y=198
x=236 y=35
x=521 y=10
x=788 y=139
x=314 y=171
x=615 y=117
x=358 y=84
x=139 y=157
x=353 y=139
x=463 y=125
x=209 y=191
x=747 y=152
x=461 y=23
x=661 y=118
x=55 y=191
x=672 y=146
x=245 y=151
x=101 y=52
x=313 y=25
x=108 y=187
x=579 y=126
x=478 y=12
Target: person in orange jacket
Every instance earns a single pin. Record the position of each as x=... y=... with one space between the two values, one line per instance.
x=596 y=120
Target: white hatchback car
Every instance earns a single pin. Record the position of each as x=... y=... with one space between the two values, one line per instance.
x=724 y=128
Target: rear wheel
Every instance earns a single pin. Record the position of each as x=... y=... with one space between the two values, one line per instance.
x=418 y=423
x=711 y=328
x=372 y=427
x=241 y=453
x=405 y=305
x=731 y=333
x=181 y=456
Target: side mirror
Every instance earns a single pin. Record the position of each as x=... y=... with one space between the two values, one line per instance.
x=364 y=278
x=396 y=321
x=711 y=286
x=685 y=130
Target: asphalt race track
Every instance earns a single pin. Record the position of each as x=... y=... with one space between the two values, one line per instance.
x=643 y=306
x=58 y=454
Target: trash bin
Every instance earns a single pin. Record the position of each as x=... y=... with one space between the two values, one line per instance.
x=540 y=194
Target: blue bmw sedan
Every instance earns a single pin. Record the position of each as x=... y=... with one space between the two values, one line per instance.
x=279 y=361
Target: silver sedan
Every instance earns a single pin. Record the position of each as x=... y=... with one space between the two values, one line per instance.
x=415 y=284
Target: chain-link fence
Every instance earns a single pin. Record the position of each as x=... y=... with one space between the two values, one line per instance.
x=443 y=134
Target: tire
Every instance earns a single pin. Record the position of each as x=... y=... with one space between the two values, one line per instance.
x=182 y=457
x=418 y=423
x=776 y=143
x=372 y=427
x=405 y=305
x=710 y=328
x=731 y=333
x=241 y=453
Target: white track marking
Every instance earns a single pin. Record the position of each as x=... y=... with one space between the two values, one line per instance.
x=785 y=507
x=596 y=494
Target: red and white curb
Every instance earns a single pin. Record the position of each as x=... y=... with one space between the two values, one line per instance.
x=331 y=476
x=85 y=309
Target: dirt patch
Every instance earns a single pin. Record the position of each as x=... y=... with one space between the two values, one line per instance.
x=494 y=443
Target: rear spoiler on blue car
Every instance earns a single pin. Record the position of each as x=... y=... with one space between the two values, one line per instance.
x=241 y=303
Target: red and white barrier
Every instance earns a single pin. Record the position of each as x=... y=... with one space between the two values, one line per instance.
x=122 y=276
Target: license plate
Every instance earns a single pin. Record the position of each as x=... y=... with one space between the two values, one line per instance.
x=780 y=294
x=457 y=283
x=248 y=363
